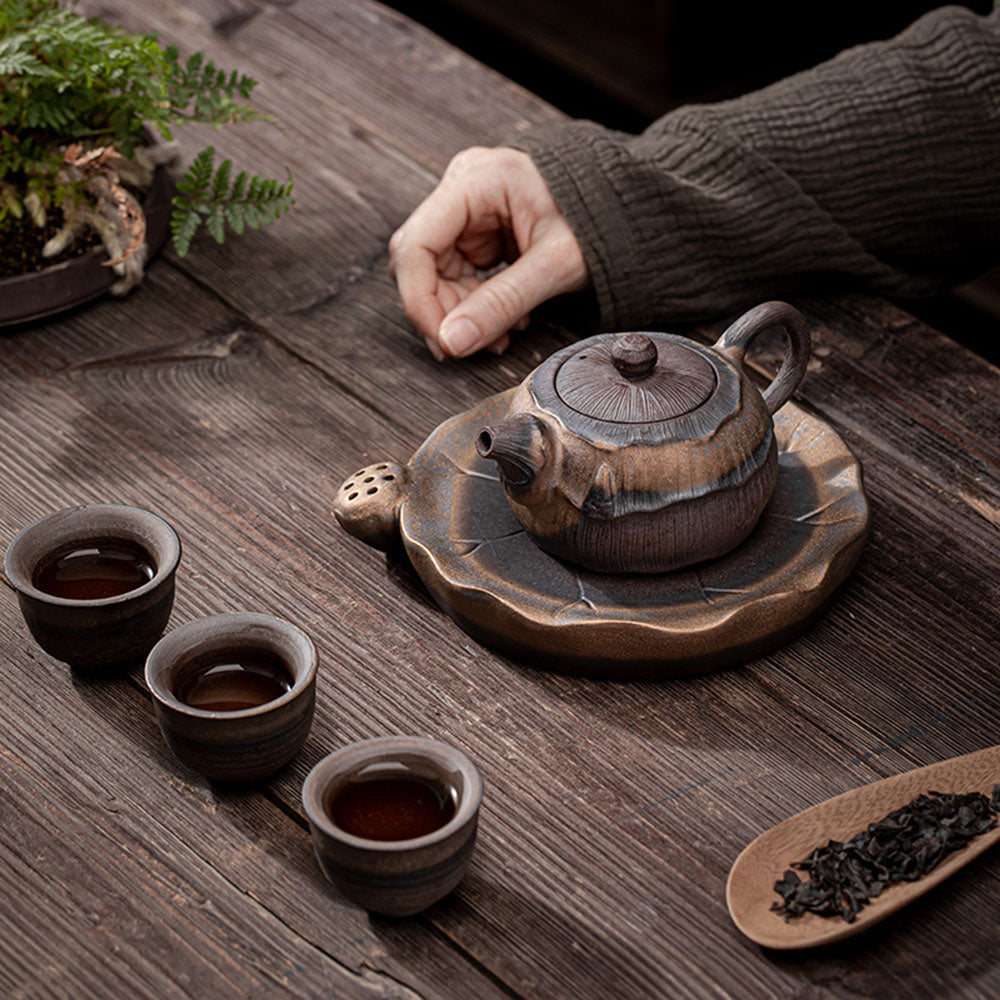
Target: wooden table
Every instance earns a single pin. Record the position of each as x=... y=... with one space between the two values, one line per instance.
x=232 y=392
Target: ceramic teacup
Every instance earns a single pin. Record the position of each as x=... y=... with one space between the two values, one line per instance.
x=245 y=745
x=394 y=877
x=94 y=634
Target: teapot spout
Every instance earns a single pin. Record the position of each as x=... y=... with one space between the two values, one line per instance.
x=518 y=447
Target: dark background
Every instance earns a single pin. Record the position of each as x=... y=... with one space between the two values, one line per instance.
x=625 y=62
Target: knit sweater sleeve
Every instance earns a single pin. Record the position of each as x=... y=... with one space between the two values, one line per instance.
x=882 y=165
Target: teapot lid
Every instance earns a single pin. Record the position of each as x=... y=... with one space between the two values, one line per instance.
x=634 y=378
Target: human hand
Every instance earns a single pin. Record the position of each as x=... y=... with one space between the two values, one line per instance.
x=491 y=206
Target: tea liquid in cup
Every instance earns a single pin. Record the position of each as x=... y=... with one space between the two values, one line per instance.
x=94 y=569
x=393 y=820
x=232 y=682
x=391 y=808
x=95 y=583
x=234 y=693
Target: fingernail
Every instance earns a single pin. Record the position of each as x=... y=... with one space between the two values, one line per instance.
x=460 y=336
x=434 y=349
x=497 y=347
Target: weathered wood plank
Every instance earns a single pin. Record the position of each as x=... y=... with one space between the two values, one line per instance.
x=277 y=43
x=881 y=350
x=61 y=358
x=551 y=748
x=158 y=319
x=192 y=847
x=429 y=100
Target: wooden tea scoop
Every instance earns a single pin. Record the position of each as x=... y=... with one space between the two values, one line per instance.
x=750 y=888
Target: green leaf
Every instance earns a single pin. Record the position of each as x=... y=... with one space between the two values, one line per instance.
x=183 y=224
x=220 y=186
x=238 y=185
x=67 y=78
x=253 y=216
x=194 y=184
x=236 y=217
x=216 y=224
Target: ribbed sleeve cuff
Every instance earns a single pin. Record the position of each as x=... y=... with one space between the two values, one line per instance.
x=586 y=169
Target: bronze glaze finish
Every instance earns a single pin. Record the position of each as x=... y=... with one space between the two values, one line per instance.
x=482 y=567
x=645 y=452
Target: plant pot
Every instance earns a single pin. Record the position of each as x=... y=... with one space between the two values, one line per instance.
x=27 y=297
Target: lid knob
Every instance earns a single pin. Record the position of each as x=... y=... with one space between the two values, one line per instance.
x=634 y=355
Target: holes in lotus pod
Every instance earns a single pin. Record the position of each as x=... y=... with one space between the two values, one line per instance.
x=360 y=473
x=353 y=496
x=368 y=479
x=379 y=468
x=348 y=486
x=373 y=489
x=388 y=479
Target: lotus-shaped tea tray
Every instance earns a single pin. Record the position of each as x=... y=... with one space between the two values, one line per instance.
x=449 y=511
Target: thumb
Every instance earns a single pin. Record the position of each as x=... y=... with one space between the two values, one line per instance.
x=497 y=305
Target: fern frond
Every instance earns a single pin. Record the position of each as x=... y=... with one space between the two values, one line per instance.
x=16 y=59
x=250 y=201
x=220 y=184
x=238 y=185
x=194 y=185
x=183 y=225
x=215 y=223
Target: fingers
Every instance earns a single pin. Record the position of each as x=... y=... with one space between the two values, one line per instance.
x=490 y=206
x=415 y=248
x=417 y=278
x=504 y=301
x=499 y=345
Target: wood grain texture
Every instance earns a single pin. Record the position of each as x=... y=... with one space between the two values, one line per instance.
x=245 y=500
x=235 y=401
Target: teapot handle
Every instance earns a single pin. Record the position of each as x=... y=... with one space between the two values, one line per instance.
x=734 y=342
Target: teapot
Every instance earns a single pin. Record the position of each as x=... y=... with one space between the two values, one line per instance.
x=646 y=452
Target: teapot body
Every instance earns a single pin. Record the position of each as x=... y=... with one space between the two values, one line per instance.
x=643 y=497
x=646 y=452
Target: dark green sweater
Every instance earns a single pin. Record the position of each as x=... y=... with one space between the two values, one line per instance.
x=882 y=165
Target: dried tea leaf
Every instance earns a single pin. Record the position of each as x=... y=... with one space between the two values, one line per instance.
x=901 y=847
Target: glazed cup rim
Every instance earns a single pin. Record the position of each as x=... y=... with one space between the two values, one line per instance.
x=319 y=778
x=164 y=568
x=224 y=623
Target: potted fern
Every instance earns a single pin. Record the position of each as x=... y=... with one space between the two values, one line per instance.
x=86 y=118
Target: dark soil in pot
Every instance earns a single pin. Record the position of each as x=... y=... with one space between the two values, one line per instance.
x=79 y=277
